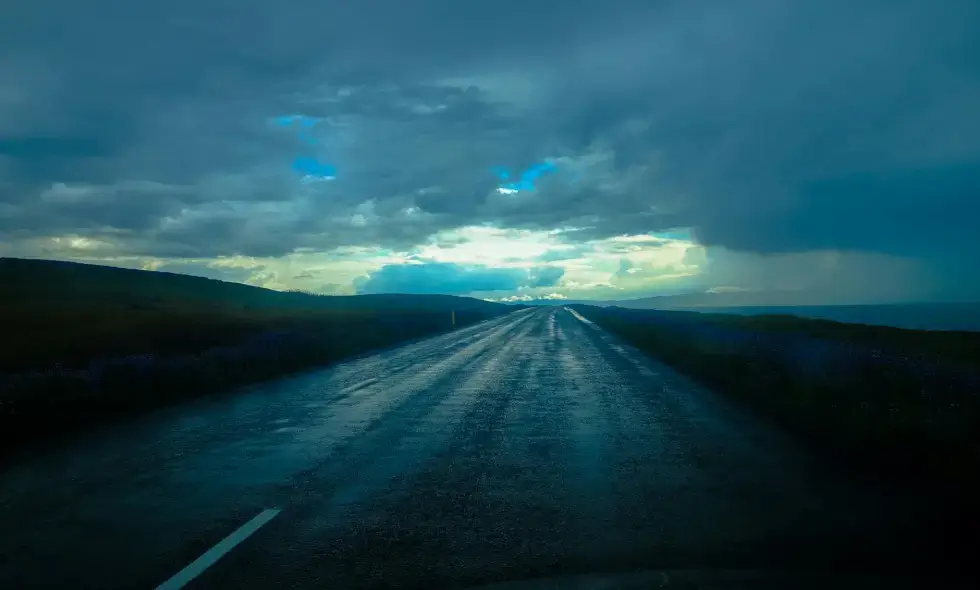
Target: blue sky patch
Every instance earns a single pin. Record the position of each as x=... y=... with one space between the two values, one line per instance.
x=309 y=166
x=315 y=168
x=526 y=182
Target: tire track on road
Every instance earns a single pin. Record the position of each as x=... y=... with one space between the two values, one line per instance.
x=731 y=489
x=499 y=502
x=467 y=513
x=334 y=504
x=150 y=497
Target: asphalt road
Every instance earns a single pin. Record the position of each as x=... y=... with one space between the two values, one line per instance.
x=530 y=445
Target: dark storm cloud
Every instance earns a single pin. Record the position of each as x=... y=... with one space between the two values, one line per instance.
x=546 y=276
x=793 y=126
x=32 y=149
x=764 y=125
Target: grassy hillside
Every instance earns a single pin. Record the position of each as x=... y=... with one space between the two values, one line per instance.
x=886 y=400
x=86 y=343
x=69 y=283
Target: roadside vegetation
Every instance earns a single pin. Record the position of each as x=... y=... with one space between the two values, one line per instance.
x=888 y=401
x=84 y=344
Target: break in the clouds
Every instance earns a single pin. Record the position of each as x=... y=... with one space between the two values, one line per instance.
x=454 y=279
x=309 y=166
x=526 y=180
x=760 y=137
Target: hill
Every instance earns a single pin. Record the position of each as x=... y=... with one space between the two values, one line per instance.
x=913 y=316
x=88 y=343
x=72 y=283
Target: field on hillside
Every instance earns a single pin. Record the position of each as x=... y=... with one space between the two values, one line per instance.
x=41 y=337
x=85 y=344
x=885 y=400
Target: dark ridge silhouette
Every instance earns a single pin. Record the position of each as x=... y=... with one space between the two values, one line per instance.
x=72 y=283
x=84 y=344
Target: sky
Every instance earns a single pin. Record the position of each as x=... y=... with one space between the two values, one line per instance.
x=508 y=150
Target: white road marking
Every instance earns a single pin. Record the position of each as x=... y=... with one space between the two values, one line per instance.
x=582 y=318
x=212 y=555
x=356 y=386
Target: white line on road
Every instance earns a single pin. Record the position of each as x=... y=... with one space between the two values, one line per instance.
x=582 y=318
x=197 y=567
x=356 y=386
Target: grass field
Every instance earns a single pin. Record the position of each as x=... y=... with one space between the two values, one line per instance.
x=86 y=344
x=887 y=401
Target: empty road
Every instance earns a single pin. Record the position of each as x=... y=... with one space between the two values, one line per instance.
x=533 y=444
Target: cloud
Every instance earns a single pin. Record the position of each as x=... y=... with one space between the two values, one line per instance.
x=825 y=276
x=559 y=254
x=546 y=276
x=333 y=289
x=778 y=129
x=526 y=298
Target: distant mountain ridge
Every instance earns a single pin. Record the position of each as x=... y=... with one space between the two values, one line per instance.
x=75 y=283
x=960 y=316
x=913 y=316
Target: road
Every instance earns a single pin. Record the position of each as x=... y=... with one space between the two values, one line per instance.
x=532 y=444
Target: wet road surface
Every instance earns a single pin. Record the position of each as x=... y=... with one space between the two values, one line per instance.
x=532 y=444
